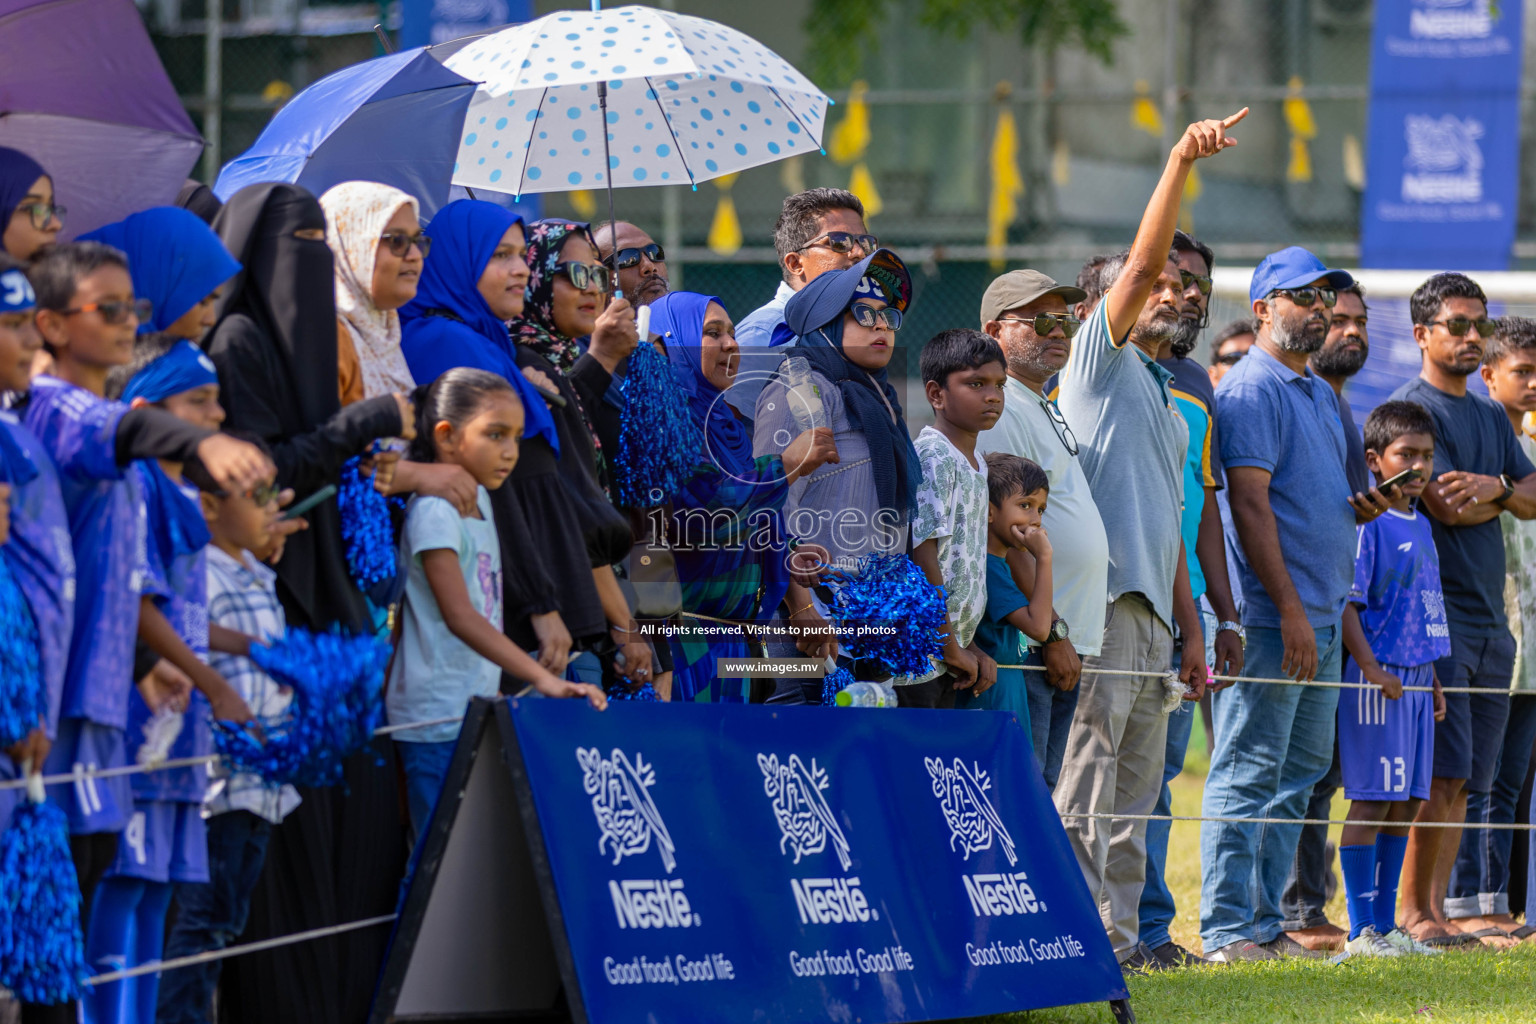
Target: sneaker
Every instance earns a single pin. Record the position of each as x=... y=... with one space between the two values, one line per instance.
x=1283 y=945
x=1403 y=942
x=1239 y=952
x=1370 y=942
x=1171 y=954
x=1141 y=961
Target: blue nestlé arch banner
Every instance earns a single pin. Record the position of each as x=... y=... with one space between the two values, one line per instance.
x=717 y=862
x=1443 y=138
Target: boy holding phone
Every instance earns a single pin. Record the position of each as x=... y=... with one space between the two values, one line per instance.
x=1394 y=630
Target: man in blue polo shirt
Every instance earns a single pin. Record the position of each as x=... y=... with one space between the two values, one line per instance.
x=1282 y=445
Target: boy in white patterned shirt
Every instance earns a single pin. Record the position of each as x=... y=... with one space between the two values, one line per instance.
x=241 y=809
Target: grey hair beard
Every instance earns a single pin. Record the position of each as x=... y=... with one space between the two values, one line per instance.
x=1295 y=341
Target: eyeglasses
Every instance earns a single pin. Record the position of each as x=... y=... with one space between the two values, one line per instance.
x=1230 y=358
x=400 y=243
x=1305 y=297
x=630 y=257
x=1059 y=424
x=866 y=315
x=115 y=312
x=1045 y=323
x=1458 y=326
x=43 y=213
x=584 y=275
x=1201 y=281
x=842 y=242
x=265 y=494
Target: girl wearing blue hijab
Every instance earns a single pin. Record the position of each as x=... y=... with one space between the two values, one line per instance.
x=177 y=262
x=472 y=283
x=29 y=220
x=727 y=532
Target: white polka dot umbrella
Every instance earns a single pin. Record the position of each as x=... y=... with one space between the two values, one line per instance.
x=680 y=100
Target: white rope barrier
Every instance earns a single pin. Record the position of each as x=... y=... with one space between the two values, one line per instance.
x=156 y=966
x=1502 y=827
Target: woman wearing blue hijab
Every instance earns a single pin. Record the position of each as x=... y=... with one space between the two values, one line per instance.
x=29 y=220
x=177 y=262
x=727 y=532
x=473 y=281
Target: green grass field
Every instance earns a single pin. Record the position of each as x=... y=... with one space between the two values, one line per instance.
x=1480 y=987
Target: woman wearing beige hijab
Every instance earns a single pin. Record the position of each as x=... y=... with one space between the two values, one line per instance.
x=377 y=240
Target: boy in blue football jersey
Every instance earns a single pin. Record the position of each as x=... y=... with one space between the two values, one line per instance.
x=1394 y=629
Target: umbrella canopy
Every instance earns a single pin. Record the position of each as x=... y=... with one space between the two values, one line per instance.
x=395 y=119
x=83 y=93
x=688 y=100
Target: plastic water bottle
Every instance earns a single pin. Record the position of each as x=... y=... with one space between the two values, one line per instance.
x=867 y=695
x=804 y=396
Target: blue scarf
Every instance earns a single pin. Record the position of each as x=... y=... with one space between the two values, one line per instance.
x=679 y=318
x=464 y=235
x=175 y=260
x=893 y=458
x=181 y=369
x=175 y=522
x=18 y=173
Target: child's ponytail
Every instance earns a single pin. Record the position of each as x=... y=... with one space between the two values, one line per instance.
x=456 y=396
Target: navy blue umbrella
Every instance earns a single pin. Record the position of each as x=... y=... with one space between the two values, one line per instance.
x=396 y=119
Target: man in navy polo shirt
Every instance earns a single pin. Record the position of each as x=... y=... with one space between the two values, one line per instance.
x=1481 y=472
x=1282 y=446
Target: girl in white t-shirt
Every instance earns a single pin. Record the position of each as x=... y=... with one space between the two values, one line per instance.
x=451 y=644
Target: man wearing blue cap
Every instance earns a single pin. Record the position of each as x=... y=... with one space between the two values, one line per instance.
x=1282 y=444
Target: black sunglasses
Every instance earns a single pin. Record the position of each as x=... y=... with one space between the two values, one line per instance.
x=1045 y=323
x=1230 y=358
x=1305 y=297
x=1059 y=424
x=1201 y=281
x=584 y=275
x=842 y=242
x=630 y=257
x=1458 y=326
x=400 y=242
x=866 y=315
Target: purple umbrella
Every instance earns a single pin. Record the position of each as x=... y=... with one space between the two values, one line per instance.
x=83 y=92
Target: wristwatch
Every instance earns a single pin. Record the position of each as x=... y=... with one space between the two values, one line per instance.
x=1234 y=627
x=1059 y=630
x=1509 y=488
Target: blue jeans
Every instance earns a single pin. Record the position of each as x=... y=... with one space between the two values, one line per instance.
x=1050 y=719
x=1157 y=906
x=1480 y=877
x=210 y=915
x=1273 y=742
x=426 y=765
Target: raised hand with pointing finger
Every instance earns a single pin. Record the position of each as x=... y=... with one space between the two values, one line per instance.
x=1208 y=137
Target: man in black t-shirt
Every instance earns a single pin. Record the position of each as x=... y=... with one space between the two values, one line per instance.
x=1481 y=472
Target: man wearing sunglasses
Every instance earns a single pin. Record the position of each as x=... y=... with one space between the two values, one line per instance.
x=1283 y=450
x=641 y=262
x=1132 y=442
x=1027 y=313
x=1482 y=472
x=1229 y=346
x=1188 y=290
x=818 y=230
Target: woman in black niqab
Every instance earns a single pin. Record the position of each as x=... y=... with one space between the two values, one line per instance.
x=340 y=855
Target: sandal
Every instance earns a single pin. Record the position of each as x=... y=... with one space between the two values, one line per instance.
x=1523 y=932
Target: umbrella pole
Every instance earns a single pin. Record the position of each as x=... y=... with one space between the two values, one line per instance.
x=613 y=225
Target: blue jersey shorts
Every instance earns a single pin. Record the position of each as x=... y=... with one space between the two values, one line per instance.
x=92 y=804
x=1387 y=747
x=164 y=841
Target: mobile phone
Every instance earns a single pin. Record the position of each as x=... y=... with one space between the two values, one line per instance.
x=1404 y=477
x=310 y=502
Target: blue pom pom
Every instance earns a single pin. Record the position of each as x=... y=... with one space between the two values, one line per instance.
x=23 y=704
x=833 y=682
x=659 y=443
x=338 y=686
x=621 y=691
x=889 y=612
x=42 y=955
x=366 y=528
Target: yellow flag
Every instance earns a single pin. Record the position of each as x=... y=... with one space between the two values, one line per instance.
x=1061 y=163
x=1144 y=113
x=1193 y=186
x=851 y=136
x=1007 y=185
x=1299 y=169
x=584 y=203
x=863 y=186
x=1298 y=112
x=1354 y=163
x=792 y=175
x=725 y=229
